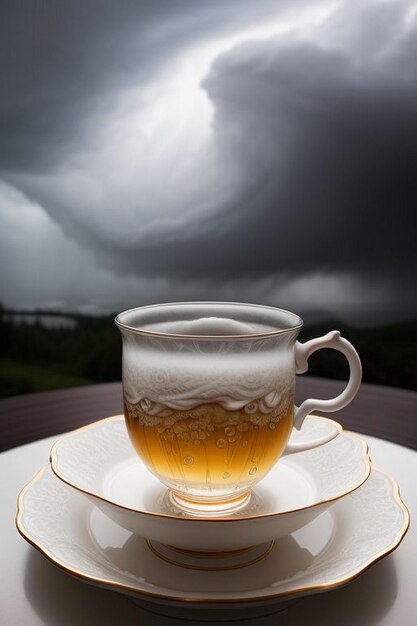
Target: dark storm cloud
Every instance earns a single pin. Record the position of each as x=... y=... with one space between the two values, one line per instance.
x=306 y=165
x=62 y=63
x=328 y=143
x=58 y=60
x=334 y=142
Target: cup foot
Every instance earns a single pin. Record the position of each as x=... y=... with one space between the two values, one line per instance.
x=211 y=561
x=209 y=509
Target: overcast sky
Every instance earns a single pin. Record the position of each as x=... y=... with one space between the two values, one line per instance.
x=237 y=150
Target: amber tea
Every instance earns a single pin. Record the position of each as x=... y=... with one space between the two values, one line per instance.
x=210 y=451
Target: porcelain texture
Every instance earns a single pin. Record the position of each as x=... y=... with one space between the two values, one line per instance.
x=99 y=462
x=360 y=529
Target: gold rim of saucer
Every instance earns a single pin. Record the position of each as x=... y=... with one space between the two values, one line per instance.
x=193 y=600
x=365 y=457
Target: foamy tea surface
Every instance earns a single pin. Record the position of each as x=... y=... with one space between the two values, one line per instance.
x=182 y=374
x=211 y=326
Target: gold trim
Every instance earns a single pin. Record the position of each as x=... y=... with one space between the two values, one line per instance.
x=365 y=457
x=210 y=555
x=155 y=333
x=214 y=568
x=114 y=584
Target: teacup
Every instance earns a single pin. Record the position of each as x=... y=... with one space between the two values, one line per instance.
x=209 y=395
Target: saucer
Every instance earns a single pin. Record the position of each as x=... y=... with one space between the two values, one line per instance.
x=99 y=462
x=337 y=547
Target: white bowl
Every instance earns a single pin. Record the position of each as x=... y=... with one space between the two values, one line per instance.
x=99 y=461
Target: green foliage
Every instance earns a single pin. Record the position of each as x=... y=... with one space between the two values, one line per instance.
x=17 y=378
x=34 y=357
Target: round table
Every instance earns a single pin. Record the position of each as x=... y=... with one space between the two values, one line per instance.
x=385 y=412
x=34 y=592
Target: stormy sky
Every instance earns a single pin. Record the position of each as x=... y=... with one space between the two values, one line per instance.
x=183 y=150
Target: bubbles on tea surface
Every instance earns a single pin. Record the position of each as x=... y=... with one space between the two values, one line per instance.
x=215 y=463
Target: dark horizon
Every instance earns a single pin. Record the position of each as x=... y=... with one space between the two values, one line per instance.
x=311 y=318
x=40 y=355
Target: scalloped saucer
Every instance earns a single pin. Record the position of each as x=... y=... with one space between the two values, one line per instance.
x=99 y=462
x=334 y=549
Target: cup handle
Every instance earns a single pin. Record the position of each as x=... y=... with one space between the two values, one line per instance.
x=303 y=351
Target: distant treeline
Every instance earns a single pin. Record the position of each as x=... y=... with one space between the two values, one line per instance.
x=37 y=357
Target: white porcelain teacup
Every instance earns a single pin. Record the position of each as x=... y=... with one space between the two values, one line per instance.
x=209 y=395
